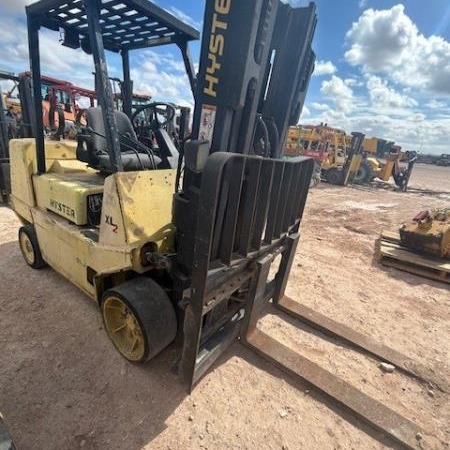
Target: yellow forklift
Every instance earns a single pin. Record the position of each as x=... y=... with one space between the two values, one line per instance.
x=176 y=243
x=344 y=170
x=165 y=239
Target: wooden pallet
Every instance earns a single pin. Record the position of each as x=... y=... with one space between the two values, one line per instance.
x=394 y=254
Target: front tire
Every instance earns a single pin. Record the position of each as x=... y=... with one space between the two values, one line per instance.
x=29 y=247
x=139 y=319
x=364 y=175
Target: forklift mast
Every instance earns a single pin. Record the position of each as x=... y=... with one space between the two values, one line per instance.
x=239 y=202
x=255 y=65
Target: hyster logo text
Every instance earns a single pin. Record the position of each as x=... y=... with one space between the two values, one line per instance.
x=216 y=46
x=62 y=208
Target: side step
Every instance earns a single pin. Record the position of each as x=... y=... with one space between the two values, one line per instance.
x=393 y=254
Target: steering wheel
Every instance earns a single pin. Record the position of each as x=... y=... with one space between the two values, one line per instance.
x=151 y=117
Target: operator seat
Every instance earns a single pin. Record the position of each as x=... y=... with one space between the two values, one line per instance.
x=93 y=149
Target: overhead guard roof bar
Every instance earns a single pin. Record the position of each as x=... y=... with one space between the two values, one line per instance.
x=125 y=24
x=98 y=25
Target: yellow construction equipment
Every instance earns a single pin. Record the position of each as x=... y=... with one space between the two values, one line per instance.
x=331 y=148
x=429 y=232
x=420 y=246
x=338 y=155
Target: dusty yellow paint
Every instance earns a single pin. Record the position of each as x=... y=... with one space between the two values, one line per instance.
x=23 y=166
x=112 y=229
x=382 y=171
x=21 y=153
x=66 y=194
x=432 y=236
x=145 y=201
x=70 y=252
x=136 y=210
x=137 y=207
x=69 y=166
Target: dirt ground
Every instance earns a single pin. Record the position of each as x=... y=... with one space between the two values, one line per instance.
x=63 y=386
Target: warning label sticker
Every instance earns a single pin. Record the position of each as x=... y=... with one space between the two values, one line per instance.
x=207 y=122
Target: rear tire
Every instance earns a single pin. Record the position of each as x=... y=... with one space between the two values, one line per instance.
x=139 y=319
x=29 y=247
x=334 y=176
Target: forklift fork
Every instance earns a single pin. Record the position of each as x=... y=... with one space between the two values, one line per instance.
x=374 y=413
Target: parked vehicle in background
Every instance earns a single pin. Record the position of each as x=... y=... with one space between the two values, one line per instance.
x=443 y=160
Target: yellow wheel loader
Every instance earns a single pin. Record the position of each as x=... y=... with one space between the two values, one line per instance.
x=176 y=243
x=372 y=168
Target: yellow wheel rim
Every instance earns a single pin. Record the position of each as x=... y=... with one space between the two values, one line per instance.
x=123 y=329
x=27 y=248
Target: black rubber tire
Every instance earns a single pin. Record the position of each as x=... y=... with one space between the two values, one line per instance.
x=334 y=176
x=37 y=261
x=152 y=308
x=364 y=174
x=58 y=132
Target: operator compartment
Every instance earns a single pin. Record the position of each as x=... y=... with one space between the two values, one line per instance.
x=75 y=196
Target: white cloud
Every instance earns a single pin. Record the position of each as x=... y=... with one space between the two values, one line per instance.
x=383 y=96
x=417 y=117
x=435 y=104
x=305 y=112
x=340 y=93
x=353 y=82
x=324 y=68
x=293 y=3
x=14 y=6
x=158 y=73
x=320 y=106
x=388 y=42
x=56 y=60
x=162 y=76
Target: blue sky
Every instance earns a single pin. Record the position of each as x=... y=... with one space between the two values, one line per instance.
x=383 y=66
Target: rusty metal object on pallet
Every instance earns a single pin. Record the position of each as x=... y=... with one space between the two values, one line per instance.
x=394 y=254
x=428 y=232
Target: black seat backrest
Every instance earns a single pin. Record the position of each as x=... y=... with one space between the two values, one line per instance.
x=94 y=117
x=93 y=149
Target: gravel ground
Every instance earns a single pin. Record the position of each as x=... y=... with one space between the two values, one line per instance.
x=63 y=386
